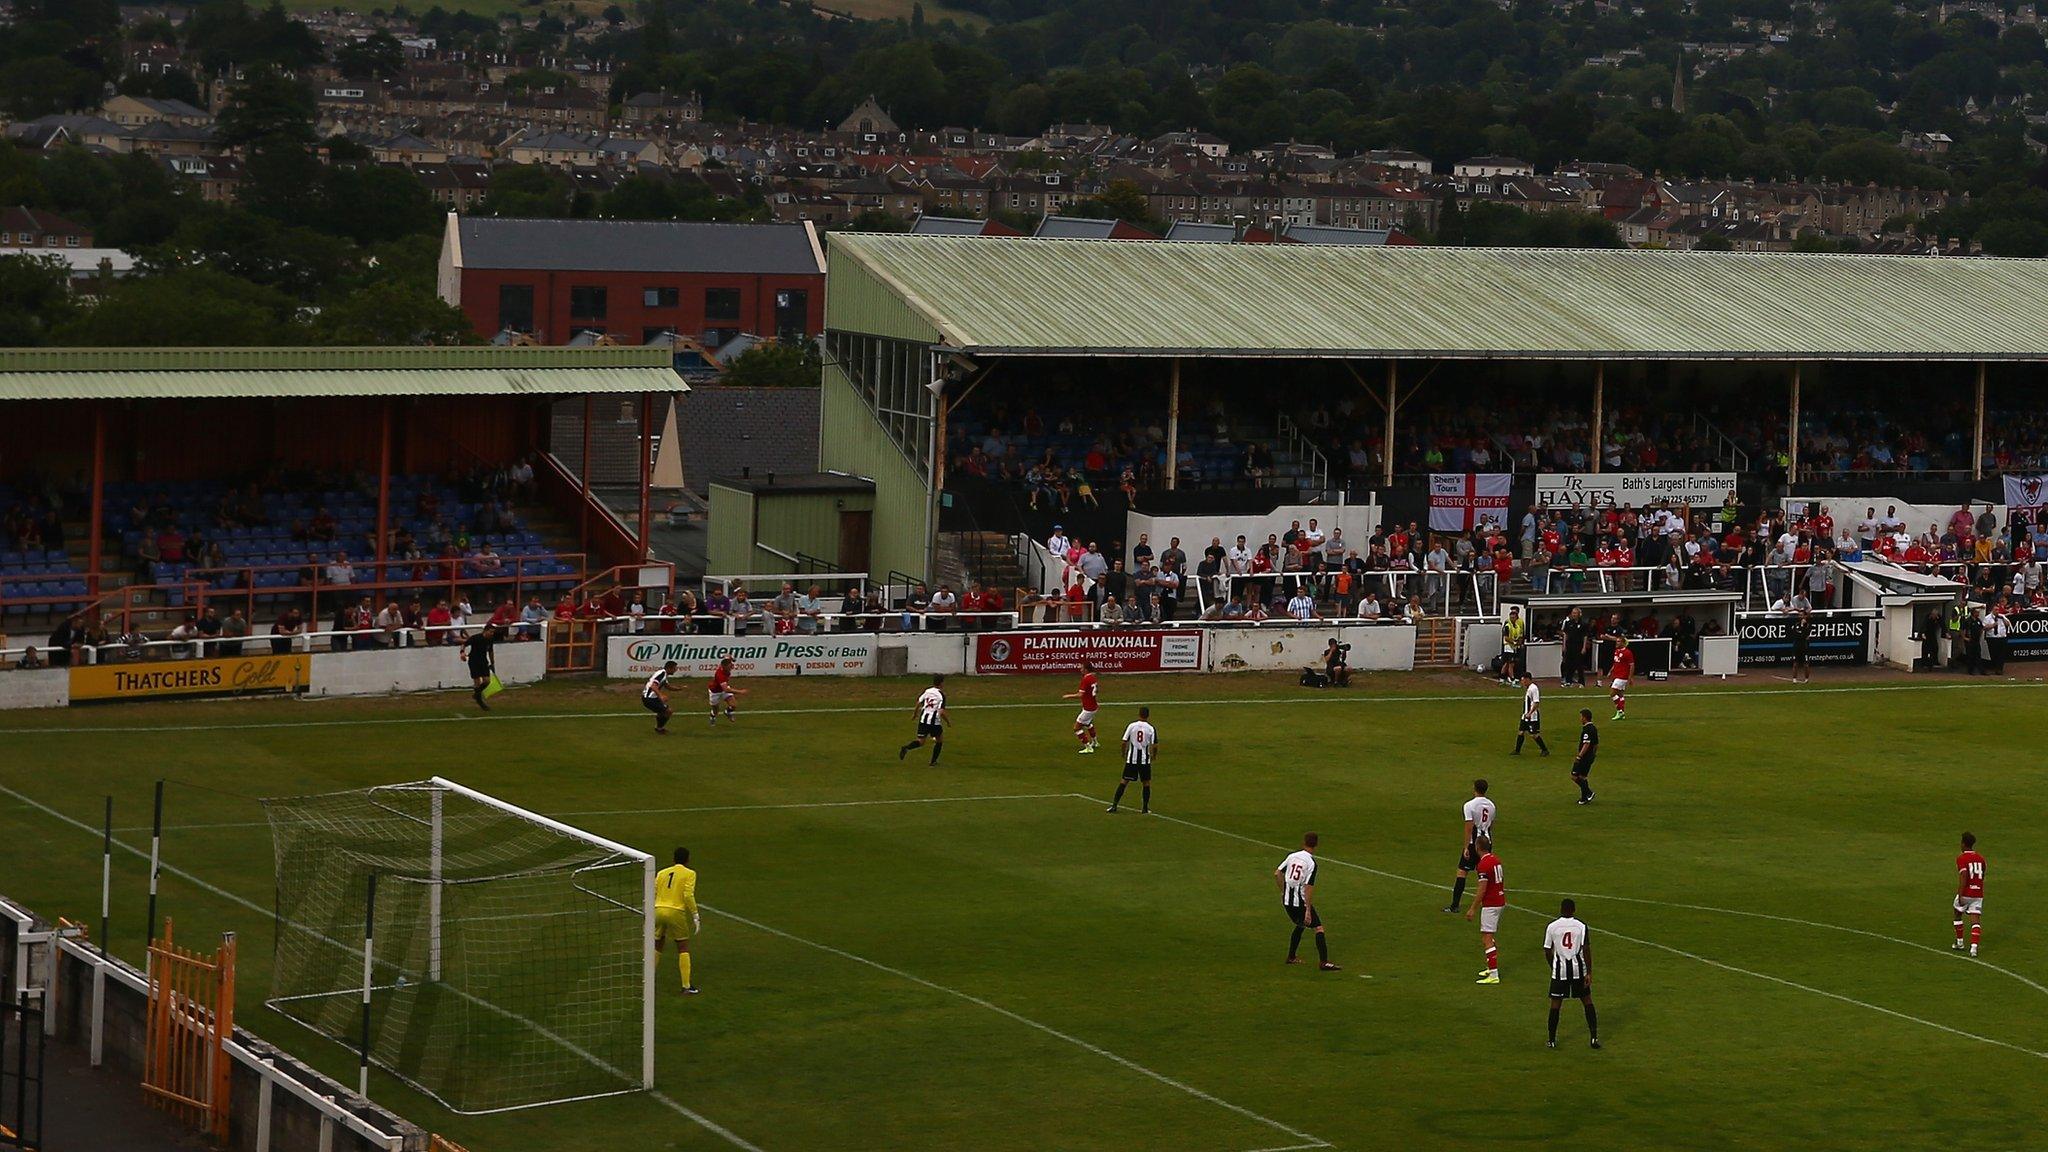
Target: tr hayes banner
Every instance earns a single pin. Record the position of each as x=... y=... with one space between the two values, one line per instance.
x=1767 y=639
x=629 y=657
x=1458 y=501
x=1136 y=650
x=1614 y=489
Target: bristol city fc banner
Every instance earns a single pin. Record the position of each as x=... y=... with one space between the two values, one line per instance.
x=1614 y=489
x=1119 y=650
x=630 y=657
x=2025 y=492
x=1458 y=501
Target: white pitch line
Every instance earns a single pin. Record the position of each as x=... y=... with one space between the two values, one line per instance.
x=704 y=808
x=1312 y=1141
x=662 y=1098
x=1712 y=963
x=1289 y=1148
x=1475 y=696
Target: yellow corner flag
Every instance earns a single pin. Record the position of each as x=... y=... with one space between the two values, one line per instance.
x=494 y=687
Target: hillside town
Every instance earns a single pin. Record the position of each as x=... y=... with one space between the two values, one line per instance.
x=456 y=119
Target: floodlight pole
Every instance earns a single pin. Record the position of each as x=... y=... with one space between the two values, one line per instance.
x=1792 y=437
x=1599 y=403
x=1387 y=445
x=156 y=841
x=1173 y=426
x=384 y=489
x=369 y=949
x=646 y=436
x=99 y=498
x=1977 y=440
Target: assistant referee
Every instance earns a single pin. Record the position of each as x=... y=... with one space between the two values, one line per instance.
x=481 y=652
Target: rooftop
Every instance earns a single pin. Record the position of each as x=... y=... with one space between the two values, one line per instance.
x=1061 y=297
x=290 y=373
x=636 y=246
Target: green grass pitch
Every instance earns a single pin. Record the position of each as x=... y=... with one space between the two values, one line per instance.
x=977 y=956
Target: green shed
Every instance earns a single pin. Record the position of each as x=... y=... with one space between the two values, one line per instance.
x=783 y=525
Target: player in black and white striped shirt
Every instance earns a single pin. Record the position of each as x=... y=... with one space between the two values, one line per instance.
x=1296 y=877
x=654 y=697
x=931 y=719
x=1140 y=739
x=1571 y=967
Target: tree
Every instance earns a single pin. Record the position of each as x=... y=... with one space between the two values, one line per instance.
x=876 y=220
x=528 y=190
x=35 y=296
x=265 y=105
x=775 y=366
x=391 y=313
x=192 y=307
x=375 y=57
x=1121 y=200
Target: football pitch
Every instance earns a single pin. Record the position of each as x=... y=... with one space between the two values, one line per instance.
x=977 y=956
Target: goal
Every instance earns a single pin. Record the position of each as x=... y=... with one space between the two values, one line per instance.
x=487 y=955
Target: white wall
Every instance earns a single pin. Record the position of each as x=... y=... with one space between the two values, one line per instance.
x=1848 y=511
x=417 y=670
x=1357 y=521
x=932 y=653
x=35 y=688
x=1374 y=647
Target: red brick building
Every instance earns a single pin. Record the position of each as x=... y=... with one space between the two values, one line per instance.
x=634 y=280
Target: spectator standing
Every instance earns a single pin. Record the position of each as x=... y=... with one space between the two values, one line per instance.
x=810 y=612
x=943 y=609
x=285 y=631
x=234 y=630
x=1169 y=584
x=915 y=605
x=1143 y=587
x=1302 y=606
x=208 y=629
x=745 y=615
x=1174 y=555
x=340 y=571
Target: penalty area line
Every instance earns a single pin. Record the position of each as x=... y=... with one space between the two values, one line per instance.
x=661 y=1098
x=1310 y=1140
x=1693 y=956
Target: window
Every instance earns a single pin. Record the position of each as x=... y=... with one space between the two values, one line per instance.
x=71 y=241
x=721 y=304
x=515 y=307
x=792 y=313
x=658 y=297
x=586 y=302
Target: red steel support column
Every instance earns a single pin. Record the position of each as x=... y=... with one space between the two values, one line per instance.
x=99 y=495
x=384 y=490
x=583 y=479
x=646 y=435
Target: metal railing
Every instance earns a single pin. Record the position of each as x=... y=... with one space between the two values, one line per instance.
x=1726 y=450
x=1306 y=452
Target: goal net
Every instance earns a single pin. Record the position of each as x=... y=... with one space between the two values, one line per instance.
x=511 y=957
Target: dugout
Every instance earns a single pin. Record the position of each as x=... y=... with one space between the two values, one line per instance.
x=915 y=325
x=1713 y=612
x=80 y=419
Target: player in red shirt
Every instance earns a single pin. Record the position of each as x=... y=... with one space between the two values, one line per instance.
x=722 y=692
x=1084 y=724
x=1623 y=670
x=1969 y=893
x=1492 y=898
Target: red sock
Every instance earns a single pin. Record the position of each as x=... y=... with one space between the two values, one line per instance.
x=1621 y=703
x=1492 y=959
x=1976 y=934
x=1959 y=931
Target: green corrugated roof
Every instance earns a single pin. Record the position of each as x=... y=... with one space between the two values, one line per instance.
x=1027 y=296
x=283 y=373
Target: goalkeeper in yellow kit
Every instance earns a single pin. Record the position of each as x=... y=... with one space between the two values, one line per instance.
x=675 y=911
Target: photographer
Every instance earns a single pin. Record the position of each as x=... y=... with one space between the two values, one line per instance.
x=1336 y=664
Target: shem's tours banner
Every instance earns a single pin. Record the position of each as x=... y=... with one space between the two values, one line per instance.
x=1135 y=650
x=1614 y=489
x=226 y=676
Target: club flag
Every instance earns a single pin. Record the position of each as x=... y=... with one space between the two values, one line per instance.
x=1458 y=501
x=494 y=687
x=2025 y=492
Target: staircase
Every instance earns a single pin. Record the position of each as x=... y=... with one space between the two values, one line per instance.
x=1436 y=642
x=965 y=557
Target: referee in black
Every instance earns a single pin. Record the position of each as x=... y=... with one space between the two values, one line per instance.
x=1589 y=747
x=1801 y=632
x=481 y=650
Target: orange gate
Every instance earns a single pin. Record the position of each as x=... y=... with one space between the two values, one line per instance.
x=191 y=1016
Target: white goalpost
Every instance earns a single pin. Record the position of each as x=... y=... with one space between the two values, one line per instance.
x=514 y=961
